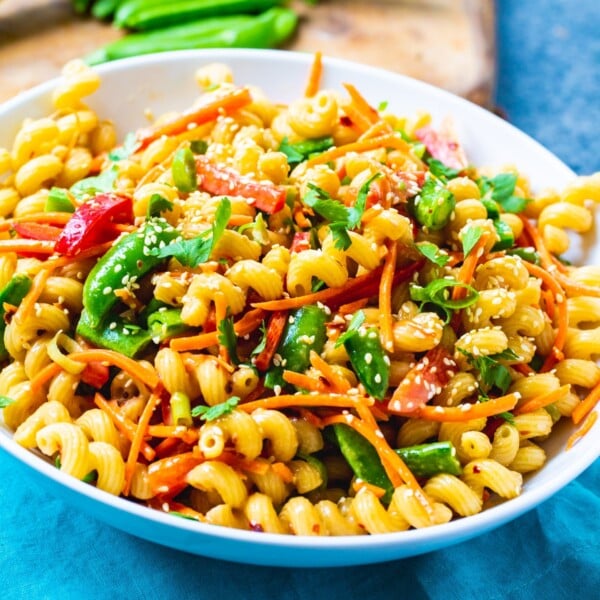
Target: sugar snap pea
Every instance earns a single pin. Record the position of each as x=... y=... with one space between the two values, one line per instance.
x=11 y=294
x=183 y=169
x=434 y=205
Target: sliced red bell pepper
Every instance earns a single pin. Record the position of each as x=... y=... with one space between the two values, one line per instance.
x=227 y=182
x=37 y=231
x=91 y=223
x=275 y=330
x=442 y=145
x=423 y=382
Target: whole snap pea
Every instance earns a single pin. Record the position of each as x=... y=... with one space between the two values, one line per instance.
x=434 y=205
x=11 y=294
x=426 y=460
x=369 y=360
x=183 y=169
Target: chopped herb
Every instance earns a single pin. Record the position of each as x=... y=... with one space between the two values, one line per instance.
x=357 y=320
x=130 y=145
x=440 y=170
x=5 y=401
x=299 y=151
x=90 y=186
x=469 y=237
x=438 y=293
x=195 y=251
x=492 y=373
x=382 y=106
x=199 y=146
x=340 y=236
x=210 y=413
x=228 y=338
x=263 y=340
x=508 y=417
x=432 y=253
x=323 y=204
x=157 y=205
x=501 y=188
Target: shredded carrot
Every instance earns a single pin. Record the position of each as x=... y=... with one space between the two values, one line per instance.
x=385 y=297
x=275 y=329
x=173 y=431
x=209 y=111
x=306 y=382
x=42 y=377
x=168 y=474
x=314 y=400
x=123 y=424
x=363 y=286
x=33 y=295
x=247 y=324
x=467 y=269
x=283 y=471
x=379 y=128
x=54 y=218
x=394 y=466
x=97 y=163
x=466 y=412
x=538 y=242
x=543 y=400
x=585 y=428
x=352 y=307
x=310 y=417
x=523 y=369
x=357 y=120
x=237 y=220
x=562 y=317
x=61 y=261
x=138 y=439
x=300 y=218
x=144 y=373
x=586 y=405
x=314 y=77
x=548 y=303
x=359 y=484
x=21 y=246
x=369 y=114
x=338 y=383
x=390 y=140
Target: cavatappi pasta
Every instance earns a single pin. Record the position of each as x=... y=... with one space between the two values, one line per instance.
x=316 y=319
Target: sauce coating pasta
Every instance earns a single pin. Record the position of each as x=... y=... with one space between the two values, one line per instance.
x=315 y=319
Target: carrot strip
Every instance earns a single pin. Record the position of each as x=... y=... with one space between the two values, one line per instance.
x=42 y=377
x=306 y=382
x=357 y=485
x=586 y=405
x=585 y=428
x=385 y=297
x=314 y=77
x=357 y=120
x=562 y=319
x=523 y=369
x=33 y=295
x=467 y=269
x=54 y=218
x=123 y=424
x=275 y=329
x=351 y=307
x=27 y=246
x=379 y=128
x=363 y=286
x=237 y=220
x=466 y=412
x=143 y=373
x=336 y=381
x=315 y=400
x=543 y=400
x=283 y=471
x=168 y=474
x=61 y=261
x=538 y=242
x=394 y=466
x=390 y=140
x=173 y=431
x=209 y=111
x=247 y=324
x=138 y=439
x=370 y=115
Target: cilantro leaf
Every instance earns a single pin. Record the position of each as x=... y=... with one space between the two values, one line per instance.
x=357 y=320
x=340 y=236
x=210 y=413
x=195 y=251
x=5 y=401
x=501 y=189
x=263 y=340
x=323 y=204
x=440 y=170
x=228 y=338
x=356 y=211
x=508 y=417
x=130 y=145
x=492 y=373
x=90 y=186
x=432 y=253
x=469 y=237
x=156 y=205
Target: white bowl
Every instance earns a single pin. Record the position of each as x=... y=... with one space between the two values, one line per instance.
x=165 y=82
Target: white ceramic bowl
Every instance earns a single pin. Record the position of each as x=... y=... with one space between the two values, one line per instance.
x=165 y=82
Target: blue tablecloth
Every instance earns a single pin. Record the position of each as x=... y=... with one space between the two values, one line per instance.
x=549 y=86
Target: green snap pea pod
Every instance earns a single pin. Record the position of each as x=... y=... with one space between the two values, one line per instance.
x=128 y=260
x=506 y=237
x=58 y=201
x=183 y=170
x=362 y=458
x=369 y=360
x=434 y=205
x=304 y=331
x=12 y=293
x=143 y=15
x=166 y=323
x=493 y=210
x=426 y=460
x=267 y=30
x=181 y=412
x=528 y=254
x=298 y=152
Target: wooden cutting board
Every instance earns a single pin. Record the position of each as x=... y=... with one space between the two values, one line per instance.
x=449 y=43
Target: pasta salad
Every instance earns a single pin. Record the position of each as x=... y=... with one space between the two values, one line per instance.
x=316 y=318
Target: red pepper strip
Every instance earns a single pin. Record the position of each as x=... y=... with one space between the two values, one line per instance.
x=197 y=116
x=37 y=231
x=300 y=241
x=91 y=223
x=275 y=329
x=95 y=374
x=222 y=181
x=423 y=382
x=168 y=474
x=441 y=146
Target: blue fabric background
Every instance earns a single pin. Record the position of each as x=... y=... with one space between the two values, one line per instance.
x=549 y=86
